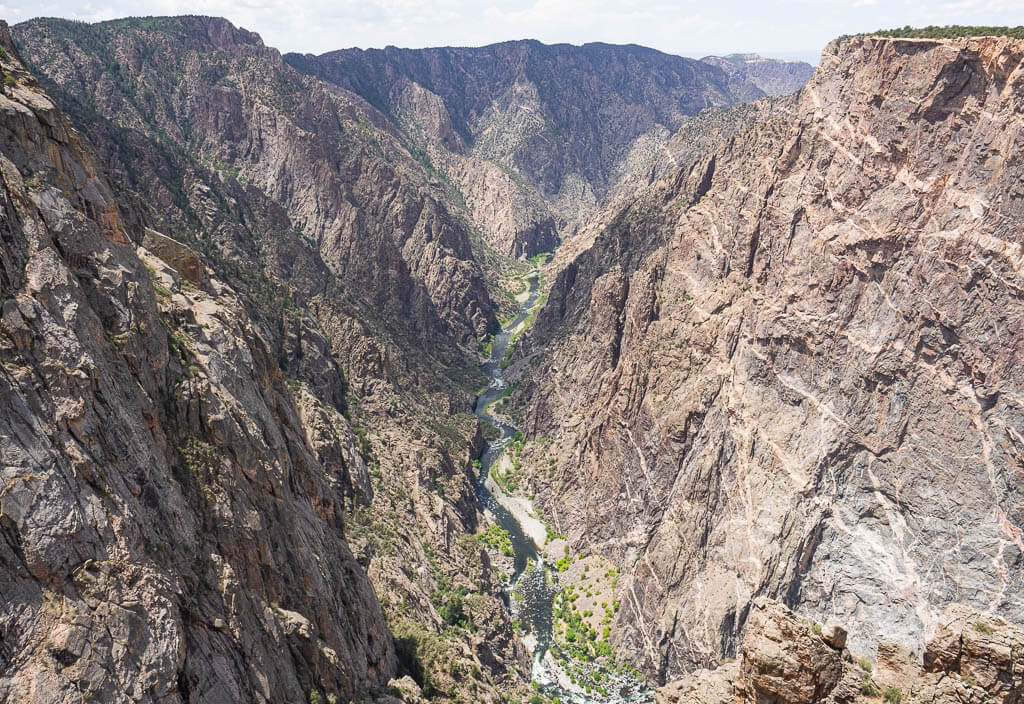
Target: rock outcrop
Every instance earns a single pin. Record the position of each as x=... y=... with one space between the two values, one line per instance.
x=791 y=367
x=786 y=660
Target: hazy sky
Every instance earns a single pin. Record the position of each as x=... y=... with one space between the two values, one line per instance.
x=688 y=27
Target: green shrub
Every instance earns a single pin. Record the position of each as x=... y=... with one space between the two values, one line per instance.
x=452 y=612
x=10 y=81
x=864 y=663
x=868 y=688
x=892 y=695
x=983 y=627
x=952 y=32
x=497 y=538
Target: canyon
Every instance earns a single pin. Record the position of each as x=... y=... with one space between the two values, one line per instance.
x=516 y=373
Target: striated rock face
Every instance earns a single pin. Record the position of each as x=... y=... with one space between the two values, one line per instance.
x=786 y=660
x=222 y=123
x=167 y=531
x=536 y=137
x=346 y=262
x=791 y=368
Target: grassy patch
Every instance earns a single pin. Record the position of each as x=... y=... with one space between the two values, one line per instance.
x=863 y=663
x=892 y=695
x=540 y=259
x=868 y=688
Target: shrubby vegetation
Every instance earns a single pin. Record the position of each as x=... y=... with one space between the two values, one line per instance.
x=541 y=258
x=497 y=538
x=948 y=32
x=892 y=695
x=510 y=479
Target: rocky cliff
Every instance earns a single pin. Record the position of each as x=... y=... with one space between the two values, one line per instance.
x=791 y=367
x=971 y=658
x=536 y=137
x=169 y=532
x=345 y=262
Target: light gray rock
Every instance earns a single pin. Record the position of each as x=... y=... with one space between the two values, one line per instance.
x=792 y=367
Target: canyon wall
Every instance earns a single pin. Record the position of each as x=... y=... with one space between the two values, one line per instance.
x=791 y=367
x=536 y=137
x=168 y=531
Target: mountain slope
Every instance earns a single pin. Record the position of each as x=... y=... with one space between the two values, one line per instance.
x=168 y=532
x=361 y=281
x=211 y=98
x=772 y=76
x=551 y=128
x=792 y=367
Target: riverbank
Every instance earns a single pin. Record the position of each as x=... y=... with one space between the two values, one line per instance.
x=522 y=510
x=572 y=658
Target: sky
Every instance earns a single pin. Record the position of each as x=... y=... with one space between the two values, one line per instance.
x=777 y=28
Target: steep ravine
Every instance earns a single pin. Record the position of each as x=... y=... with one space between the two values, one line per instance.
x=237 y=368
x=294 y=414
x=534 y=582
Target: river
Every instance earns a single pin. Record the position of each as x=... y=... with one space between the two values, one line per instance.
x=533 y=579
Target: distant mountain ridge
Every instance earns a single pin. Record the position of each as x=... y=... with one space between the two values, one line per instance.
x=558 y=126
x=775 y=77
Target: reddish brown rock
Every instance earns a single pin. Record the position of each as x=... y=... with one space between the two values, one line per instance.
x=783 y=662
x=176 y=255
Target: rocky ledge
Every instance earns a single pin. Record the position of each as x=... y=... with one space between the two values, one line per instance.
x=972 y=657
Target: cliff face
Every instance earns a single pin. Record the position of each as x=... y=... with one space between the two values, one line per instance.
x=168 y=530
x=786 y=659
x=320 y=239
x=549 y=130
x=203 y=117
x=791 y=368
